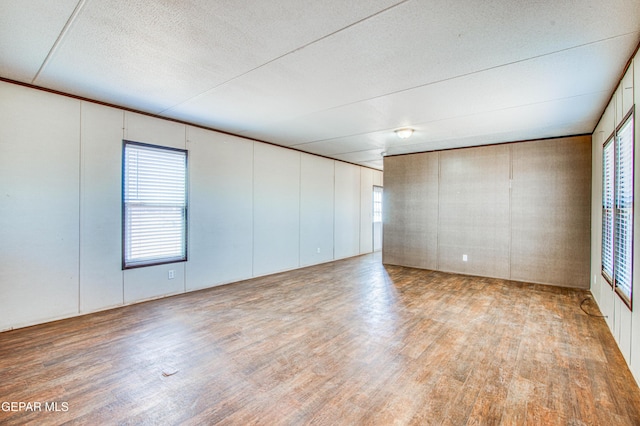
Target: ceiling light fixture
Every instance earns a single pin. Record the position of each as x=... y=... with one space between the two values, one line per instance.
x=404 y=133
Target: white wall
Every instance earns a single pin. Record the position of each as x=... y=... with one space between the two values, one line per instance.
x=101 y=277
x=622 y=321
x=39 y=206
x=276 y=212
x=220 y=208
x=316 y=209
x=347 y=210
x=254 y=208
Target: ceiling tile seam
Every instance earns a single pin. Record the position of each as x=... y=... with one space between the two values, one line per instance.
x=454 y=117
x=297 y=49
x=56 y=44
x=357 y=151
x=419 y=86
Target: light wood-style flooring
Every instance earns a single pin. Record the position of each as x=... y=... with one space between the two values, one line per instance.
x=349 y=342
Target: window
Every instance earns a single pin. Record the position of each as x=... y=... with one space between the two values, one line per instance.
x=617 y=209
x=154 y=205
x=377 y=204
x=607 y=209
x=623 y=235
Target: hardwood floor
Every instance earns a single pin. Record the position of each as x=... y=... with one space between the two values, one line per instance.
x=349 y=342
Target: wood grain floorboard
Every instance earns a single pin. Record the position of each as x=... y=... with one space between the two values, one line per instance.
x=348 y=342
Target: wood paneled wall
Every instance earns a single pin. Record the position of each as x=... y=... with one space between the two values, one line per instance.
x=474 y=211
x=550 y=212
x=410 y=217
x=519 y=211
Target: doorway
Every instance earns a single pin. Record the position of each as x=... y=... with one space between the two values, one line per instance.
x=377 y=218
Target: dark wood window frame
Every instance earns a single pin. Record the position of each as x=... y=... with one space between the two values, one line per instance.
x=618 y=210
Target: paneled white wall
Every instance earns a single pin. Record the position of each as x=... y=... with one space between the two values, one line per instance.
x=596 y=212
x=220 y=209
x=39 y=206
x=276 y=211
x=101 y=277
x=377 y=178
x=599 y=287
x=622 y=321
x=316 y=209
x=153 y=282
x=142 y=128
x=347 y=210
x=254 y=208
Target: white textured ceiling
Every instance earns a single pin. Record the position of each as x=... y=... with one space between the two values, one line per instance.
x=334 y=77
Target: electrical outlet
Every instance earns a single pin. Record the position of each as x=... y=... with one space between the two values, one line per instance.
x=318 y=251
x=464 y=257
x=172 y=274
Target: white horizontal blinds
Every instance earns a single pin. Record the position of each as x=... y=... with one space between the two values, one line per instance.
x=155 y=205
x=624 y=209
x=608 y=158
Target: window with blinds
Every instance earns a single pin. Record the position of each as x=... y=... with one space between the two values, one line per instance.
x=623 y=235
x=608 y=159
x=154 y=205
x=617 y=209
x=377 y=204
